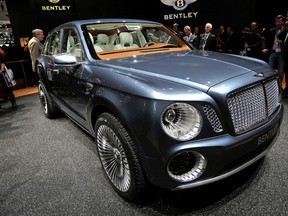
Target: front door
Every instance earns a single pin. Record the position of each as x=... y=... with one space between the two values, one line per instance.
x=65 y=79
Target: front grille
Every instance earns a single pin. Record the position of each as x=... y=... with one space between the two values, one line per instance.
x=272 y=94
x=253 y=105
x=213 y=119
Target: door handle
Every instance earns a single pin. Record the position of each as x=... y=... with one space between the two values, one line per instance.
x=88 y=86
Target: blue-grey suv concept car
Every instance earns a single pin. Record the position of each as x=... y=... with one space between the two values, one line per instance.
x=161 y=111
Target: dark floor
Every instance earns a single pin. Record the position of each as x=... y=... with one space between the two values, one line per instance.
x=50 y=167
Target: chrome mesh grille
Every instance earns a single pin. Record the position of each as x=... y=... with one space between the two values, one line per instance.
x=253 y=105
x=272 y=92
x=213 y=119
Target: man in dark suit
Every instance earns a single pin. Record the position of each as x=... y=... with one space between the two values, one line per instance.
x=207 y=39
x=232 y=42
x=253 y=41
x=175 y=27
x=275 y=45
x=283 y=36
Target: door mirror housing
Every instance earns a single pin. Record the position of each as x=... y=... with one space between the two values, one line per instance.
x=65 y=59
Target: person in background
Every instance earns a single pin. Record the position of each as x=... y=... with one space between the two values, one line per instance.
x=286 y=23
x=222 y=35
x=233 y=42
x=195 y=31
x=253 y=42
x=207 y=39
x=284 y=37
x=220 y=44
x=243 y=39
x=35 y=48
x=263 y=32
x=196 y=40
x=175 y=27
x=5 y=88
x=274 y=45
x=189 y=37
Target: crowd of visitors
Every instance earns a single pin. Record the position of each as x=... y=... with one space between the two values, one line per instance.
x=270 y=45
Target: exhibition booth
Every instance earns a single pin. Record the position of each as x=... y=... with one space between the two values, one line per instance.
x=19 y=17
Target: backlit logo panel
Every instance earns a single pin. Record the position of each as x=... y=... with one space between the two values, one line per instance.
x=178 y=4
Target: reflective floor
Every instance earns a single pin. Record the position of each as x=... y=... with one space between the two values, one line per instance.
x=25 y=91
x=51 y=167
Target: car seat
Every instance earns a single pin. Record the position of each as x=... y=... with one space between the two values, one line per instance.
x=74 y=48
x=102 y=43
x=126 y=41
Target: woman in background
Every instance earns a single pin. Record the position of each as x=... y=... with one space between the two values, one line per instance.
x=5 y=88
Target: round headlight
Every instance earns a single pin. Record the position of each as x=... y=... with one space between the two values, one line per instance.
x=181 y=121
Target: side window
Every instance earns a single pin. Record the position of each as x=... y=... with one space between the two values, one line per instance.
x=46 y=46
x=55 y=45
x=71 y=43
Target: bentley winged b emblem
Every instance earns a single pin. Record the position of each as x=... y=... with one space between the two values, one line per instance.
x=54 y=1
x=178 y=4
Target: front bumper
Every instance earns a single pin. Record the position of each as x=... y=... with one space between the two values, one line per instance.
x=225 y=155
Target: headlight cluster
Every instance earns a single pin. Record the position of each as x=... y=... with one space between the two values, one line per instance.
x=181 y=121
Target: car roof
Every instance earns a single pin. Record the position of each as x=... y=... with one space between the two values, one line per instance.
x=105 y=20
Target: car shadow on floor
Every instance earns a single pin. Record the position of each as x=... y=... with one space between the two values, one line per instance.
x=285 y=100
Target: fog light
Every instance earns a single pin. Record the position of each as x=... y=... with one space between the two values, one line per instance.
x=187 y=166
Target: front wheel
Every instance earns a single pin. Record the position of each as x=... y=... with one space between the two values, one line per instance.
x=118 y=157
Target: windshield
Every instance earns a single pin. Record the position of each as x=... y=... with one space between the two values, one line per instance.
x=116 y=40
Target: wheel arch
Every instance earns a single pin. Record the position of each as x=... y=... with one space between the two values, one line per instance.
x=104 y=105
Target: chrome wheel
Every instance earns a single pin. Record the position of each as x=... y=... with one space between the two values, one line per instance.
x=113 y=158
x=119 y=157
x=43 y=99
x=47 y=104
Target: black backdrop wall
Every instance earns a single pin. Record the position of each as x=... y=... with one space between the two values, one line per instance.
x=26 y=15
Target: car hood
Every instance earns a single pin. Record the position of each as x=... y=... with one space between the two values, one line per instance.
x=194 y=68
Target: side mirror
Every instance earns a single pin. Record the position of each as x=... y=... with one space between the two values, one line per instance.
x=65 y=59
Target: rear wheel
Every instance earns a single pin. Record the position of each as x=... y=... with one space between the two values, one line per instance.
x=47 y=104
x=118 y=157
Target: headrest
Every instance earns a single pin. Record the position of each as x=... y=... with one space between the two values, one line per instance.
x=70 y=41
x=102 y=39
x=126 y=39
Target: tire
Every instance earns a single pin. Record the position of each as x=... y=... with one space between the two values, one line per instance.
x=47 y=104
x=118 y=157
